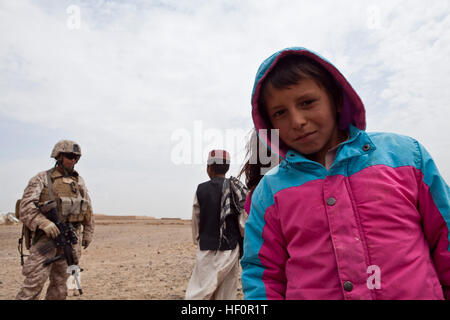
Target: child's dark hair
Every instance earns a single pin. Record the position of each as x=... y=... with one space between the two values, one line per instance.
x=253 y=167
x=252 y=174
x=291 y=70
x=219 y=168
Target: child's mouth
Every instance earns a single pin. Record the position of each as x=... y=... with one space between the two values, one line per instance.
x=304 y=137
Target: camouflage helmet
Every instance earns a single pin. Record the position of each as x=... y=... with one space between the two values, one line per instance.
x=65 y=146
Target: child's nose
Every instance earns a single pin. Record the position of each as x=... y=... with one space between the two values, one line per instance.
x=298 y=119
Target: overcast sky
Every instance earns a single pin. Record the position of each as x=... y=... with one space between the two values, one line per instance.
x=137 y=83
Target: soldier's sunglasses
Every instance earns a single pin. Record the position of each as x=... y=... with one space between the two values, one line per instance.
x=71 y=156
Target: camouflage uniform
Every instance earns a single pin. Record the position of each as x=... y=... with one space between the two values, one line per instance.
x=36 y=193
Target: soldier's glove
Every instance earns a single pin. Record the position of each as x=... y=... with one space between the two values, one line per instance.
x=50 y=229
x=85 y=243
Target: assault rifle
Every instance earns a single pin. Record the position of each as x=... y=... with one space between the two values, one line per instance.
x=64 y=240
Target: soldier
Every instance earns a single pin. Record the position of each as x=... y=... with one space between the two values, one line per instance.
x=69 y=191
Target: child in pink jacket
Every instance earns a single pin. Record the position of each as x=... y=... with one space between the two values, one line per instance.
x=346 y=214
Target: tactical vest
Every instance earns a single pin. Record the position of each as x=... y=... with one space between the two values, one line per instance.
x=209 y=195
x=73 y=206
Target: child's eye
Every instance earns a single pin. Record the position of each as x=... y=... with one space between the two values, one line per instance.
x=307 y=103
x=278 y=113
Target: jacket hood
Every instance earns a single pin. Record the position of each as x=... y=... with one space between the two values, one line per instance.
x=353 y=112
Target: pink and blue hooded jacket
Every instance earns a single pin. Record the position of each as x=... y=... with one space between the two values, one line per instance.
x=373 y=226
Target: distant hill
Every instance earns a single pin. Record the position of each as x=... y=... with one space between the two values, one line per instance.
x=113 y=219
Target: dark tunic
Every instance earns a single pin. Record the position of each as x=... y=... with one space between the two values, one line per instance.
x=209 y=195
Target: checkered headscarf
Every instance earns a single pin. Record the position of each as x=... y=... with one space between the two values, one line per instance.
x=234 y=193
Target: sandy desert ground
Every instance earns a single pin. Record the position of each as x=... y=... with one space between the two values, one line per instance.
x=130 y=258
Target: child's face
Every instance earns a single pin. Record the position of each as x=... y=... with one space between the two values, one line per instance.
x=305 y=117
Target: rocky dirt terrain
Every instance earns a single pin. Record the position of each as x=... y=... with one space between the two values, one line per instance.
x=130 y=258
